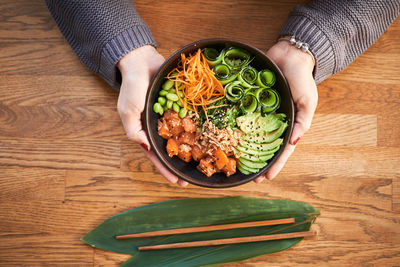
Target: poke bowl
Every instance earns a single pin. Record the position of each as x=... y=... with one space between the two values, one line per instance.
x=218 y=113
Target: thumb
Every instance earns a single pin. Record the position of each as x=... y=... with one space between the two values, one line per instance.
x=133 y=128
x=305 y=96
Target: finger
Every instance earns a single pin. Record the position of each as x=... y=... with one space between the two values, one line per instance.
x=134 y=131
x=163 y=170
x=259 y=179
x=278 y=165
x=305 y=96
x=182 y=183
x=305 y=109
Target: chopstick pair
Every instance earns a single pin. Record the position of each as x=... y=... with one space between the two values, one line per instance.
x=218 y=241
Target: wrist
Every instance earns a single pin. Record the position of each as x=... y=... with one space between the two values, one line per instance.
x=290 y=55
x=139 y=59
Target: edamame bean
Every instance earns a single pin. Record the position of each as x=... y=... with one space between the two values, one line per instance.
x=169 y=103
x=182 y=113
x=157 y=108
x=175 y=107
x=180 y=93
x=163 y=93
x=162 y=100
x=172 y=97
x=167 y=85
x=179 y=103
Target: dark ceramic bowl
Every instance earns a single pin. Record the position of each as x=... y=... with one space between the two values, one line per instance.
x=188 y=171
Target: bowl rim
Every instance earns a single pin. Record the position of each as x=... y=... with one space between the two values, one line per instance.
x=147 y=111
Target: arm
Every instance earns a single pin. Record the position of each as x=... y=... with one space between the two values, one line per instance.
x=114 y=42
x=101 y=32
x=337 y=32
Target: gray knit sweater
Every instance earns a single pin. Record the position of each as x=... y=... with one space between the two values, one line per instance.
x=337 y=31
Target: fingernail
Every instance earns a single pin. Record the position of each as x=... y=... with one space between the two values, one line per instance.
x=145 y=146
x=295 y=141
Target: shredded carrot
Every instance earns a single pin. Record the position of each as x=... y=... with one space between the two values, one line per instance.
x=197 y=81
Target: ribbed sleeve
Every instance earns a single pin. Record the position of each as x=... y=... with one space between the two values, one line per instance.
x=101 y=32
x=339 y=31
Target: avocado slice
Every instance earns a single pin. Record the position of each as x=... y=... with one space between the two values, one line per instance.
x=255 y=158
x=266 y=138
x=248 y=169
x=252 y=164
x=256 y=152
x=262 y=148
x=243 y=170
x=255 y=123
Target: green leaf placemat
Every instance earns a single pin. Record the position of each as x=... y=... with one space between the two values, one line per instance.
x=194 y=212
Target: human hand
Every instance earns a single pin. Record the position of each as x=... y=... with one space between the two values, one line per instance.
x=297 y=66
x=137 y=68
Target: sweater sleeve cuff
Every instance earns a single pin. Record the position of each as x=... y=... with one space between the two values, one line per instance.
x=319 y=44
x=119 y=46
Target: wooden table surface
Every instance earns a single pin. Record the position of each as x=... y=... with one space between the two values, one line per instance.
x=66 y=164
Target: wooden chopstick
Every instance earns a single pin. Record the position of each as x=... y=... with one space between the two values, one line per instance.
x=226 y=241
x=207 y=228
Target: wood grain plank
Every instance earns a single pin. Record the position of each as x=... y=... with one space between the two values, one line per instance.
x=27 y=20
x=361 y=68
x=60 y=154
x=56 y=90
x=359 y=193
x=171 y=19
x=20 y=184
x=341 y=161
x=107 y=186
x=41 y=249
x=72 y=219
x=61 y=121
x=376 y=92
x=108 y=258
x=388 y=134
x=135 y=188
x=330 y=253
x=342 y=130
x=44 y=58
x=133 y=158
x=344 y=105
x=396 y=194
